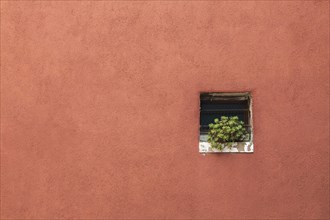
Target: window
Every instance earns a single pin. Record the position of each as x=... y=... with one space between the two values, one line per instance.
x=215 y=105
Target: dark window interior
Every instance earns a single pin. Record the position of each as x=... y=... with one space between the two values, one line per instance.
x=215 y=105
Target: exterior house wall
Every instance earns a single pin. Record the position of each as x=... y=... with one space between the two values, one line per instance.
x=100 y=109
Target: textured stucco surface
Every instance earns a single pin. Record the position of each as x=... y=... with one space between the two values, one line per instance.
x=100 y=109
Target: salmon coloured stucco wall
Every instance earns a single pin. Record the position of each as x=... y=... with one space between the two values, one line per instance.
x=100 y=109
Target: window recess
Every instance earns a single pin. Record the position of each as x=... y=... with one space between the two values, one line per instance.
x=215 y=105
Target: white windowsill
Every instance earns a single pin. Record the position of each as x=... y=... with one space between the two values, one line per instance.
x=238 y=147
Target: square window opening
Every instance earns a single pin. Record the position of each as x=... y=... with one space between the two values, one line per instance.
x=213 y=106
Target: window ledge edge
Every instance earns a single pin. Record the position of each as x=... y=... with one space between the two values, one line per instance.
x=239 y=147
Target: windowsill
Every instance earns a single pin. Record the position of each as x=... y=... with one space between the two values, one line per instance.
x=238 y=147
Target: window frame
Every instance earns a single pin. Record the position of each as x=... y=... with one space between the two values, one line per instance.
x=204 y=147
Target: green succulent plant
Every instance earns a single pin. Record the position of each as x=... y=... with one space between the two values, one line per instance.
x=226 y=130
